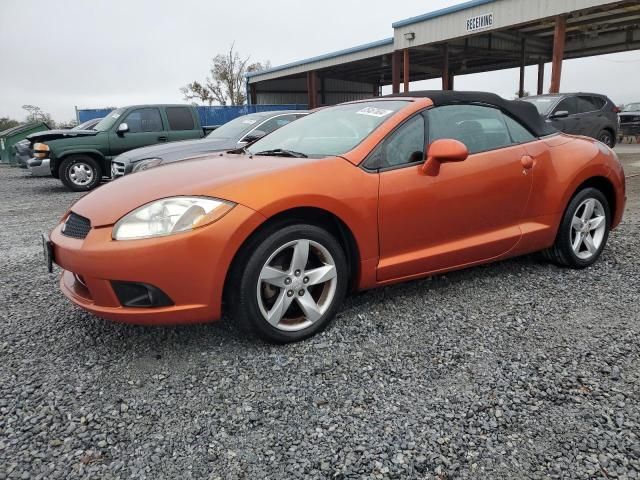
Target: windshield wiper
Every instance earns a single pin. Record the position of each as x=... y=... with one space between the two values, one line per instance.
x=280 y=152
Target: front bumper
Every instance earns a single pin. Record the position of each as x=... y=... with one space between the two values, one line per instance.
x=190 y=268
x=39 y=167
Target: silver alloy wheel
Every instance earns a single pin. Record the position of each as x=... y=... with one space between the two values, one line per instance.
x=297 y=285
x=588 y=227
x=81 y=174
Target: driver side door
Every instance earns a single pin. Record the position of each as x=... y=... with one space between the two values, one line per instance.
x=145 y=128
x=468 y=212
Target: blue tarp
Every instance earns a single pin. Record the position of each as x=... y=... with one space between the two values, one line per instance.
x=86 y=115
x=214 y=115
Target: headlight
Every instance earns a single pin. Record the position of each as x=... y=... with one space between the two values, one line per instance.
x=169 y=216
x=146 y=164
x=41 y=150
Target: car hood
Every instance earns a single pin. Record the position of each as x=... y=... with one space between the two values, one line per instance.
x=55 y=134
x=629 y=114
x=179 y=150
x=242 y=179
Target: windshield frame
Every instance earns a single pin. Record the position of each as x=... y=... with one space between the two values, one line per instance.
x=110 y=120
x=255 y=148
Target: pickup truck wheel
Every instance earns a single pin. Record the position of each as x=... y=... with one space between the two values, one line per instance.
x=80 y=173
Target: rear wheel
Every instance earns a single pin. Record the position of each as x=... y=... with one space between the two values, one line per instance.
x=291 y=285
x=80 y=173
x=584 y=230
x=608 y=138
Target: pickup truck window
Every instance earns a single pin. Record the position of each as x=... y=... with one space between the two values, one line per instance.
x=180 y=118
x=144 y=120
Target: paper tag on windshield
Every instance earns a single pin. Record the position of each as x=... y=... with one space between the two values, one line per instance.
x=374 y=112
x=115 y=115
x=248 y=121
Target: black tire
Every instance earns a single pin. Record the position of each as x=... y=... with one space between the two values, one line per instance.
x=242 y=296
x=562 y=253
x=77 y=184
x=608 y=138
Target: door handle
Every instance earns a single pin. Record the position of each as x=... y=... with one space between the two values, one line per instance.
x=527 y=162
x=162 y=139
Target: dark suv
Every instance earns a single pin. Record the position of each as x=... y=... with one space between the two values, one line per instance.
x=587 y=114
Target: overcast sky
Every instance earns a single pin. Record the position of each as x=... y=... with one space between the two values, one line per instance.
x=97 y=53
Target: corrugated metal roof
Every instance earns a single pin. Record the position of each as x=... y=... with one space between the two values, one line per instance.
x=359 y=48
x=441 y=12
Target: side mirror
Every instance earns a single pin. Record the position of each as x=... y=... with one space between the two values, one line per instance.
x=253 y=136
x=443 y=151
x=123 y=128
x=560 y=114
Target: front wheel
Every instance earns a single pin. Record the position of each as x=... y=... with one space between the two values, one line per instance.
x=584 y=230
x=80 y=173
x=292 y=284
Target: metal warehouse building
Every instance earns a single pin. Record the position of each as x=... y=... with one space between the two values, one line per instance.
x=475 y=36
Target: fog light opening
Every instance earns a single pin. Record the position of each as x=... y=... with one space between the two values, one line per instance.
x=140 y=295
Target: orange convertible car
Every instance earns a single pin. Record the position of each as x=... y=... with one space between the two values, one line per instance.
x=355 y=196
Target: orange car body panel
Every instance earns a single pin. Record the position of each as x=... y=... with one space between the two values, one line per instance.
x=405 y=223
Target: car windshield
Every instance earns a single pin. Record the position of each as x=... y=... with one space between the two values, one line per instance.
x=632 y=107
x=332 y=131
x=107 y=122
x=237 y=128
x=543 y=104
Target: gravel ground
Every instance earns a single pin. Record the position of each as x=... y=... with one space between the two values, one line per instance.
x=513 y=370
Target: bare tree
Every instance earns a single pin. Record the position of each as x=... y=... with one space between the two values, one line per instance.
x=36 y=114
x=225 y=84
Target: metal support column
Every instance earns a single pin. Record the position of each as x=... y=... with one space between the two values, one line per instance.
x=523 y=62
x=395 y=71
x=312 y=89
x=446 y=76
x=405 y=69
x=559 y=38
x=540 y=77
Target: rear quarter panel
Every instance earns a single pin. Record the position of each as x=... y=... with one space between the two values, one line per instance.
x=562 y=164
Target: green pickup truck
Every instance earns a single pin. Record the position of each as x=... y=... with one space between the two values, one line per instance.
x=81 y=158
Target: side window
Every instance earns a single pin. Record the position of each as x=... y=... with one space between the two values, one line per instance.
x=479 y=128
x=180 y=118
x=599 y=102
x=406 y=144
x=519 y=134
x=276 y=122
x=569 y=104
x=585 y=105
x=144 y=120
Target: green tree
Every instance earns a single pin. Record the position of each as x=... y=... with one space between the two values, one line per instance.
x=225 y=84
x=6 y=123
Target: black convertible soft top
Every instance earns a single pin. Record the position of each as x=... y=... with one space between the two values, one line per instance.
x=525 y=112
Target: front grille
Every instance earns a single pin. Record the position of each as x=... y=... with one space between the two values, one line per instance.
x=76 y=226
x=629 y=119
